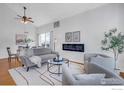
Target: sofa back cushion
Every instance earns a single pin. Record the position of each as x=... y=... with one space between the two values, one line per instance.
x=94 y=68
x=107 y=63
x=41 y=51
x=88 y=57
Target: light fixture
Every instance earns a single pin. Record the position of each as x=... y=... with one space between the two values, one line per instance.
x=24 y=19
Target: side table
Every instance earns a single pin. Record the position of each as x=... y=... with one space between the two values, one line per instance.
x=122 y=74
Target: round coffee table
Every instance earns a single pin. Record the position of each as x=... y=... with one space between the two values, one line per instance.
x=59 y=62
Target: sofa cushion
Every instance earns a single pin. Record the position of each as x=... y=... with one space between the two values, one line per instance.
x=41 y=51
x=112 y=81
x=48 y=56
x=95 y=76
x=89 y=79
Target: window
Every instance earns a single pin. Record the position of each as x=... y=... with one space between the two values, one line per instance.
x=44 y=40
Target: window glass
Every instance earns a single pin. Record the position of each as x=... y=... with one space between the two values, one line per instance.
x=44 y=40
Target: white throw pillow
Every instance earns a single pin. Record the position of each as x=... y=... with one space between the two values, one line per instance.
x=94 y=76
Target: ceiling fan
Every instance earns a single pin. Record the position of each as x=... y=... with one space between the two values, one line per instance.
x=24 y=19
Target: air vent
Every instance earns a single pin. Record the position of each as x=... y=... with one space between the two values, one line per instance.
x=56 y=24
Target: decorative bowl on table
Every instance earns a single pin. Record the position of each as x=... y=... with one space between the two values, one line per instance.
x=58 y=59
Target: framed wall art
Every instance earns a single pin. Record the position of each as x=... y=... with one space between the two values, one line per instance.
x=68 y=37
x=76 y=36
x=20 y=39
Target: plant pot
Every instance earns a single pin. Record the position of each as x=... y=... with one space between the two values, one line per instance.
x=116 y=66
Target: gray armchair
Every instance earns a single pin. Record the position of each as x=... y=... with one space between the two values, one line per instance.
x=88 y=56
x=111 y=78
x=27 y=63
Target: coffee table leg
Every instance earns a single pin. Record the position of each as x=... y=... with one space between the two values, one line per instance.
x=59 y=70
x=68 y=63
x=47 y=66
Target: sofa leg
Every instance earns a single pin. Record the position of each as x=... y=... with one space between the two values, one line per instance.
x=27 y=69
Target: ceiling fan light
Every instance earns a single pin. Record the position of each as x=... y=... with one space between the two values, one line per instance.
x=24 y=22
x=24 y=19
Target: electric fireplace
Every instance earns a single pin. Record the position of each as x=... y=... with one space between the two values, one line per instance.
x=73 y=47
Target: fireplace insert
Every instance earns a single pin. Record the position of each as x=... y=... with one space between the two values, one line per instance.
x=73 y=47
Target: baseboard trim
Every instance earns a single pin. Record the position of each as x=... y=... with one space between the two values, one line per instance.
x=3 y=59
x=76 y=62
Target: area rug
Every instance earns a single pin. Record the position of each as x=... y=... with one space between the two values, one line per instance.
x=36 y=76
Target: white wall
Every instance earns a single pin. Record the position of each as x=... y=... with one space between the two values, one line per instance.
x=92 y=25
x=9 y=27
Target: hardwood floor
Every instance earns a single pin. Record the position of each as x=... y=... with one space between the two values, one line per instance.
x=5 y=78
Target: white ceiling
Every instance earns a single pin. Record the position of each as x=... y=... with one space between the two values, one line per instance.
x=44 y=13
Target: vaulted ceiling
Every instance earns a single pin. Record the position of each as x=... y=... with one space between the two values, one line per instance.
x=44 y=13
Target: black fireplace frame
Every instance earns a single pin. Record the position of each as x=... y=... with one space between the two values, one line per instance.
x=73 y=47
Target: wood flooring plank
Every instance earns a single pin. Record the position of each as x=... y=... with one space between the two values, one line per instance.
x=5 y=78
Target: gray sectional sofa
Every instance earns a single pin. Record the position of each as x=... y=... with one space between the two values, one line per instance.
x=111 y=77
x=43 y=54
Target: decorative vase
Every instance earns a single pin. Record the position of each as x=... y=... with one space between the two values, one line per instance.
x=27 y=46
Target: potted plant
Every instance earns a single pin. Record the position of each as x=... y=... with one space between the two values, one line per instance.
x=27 y=41
x=113 y=41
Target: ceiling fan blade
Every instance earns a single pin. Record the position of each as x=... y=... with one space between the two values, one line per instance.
x=29 y=18
x=16 y=18
x=19 y=16
x=24 y=18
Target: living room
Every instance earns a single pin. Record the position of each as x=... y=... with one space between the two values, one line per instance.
x=53 y=26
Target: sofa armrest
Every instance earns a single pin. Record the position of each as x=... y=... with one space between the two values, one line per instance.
x=26 y=61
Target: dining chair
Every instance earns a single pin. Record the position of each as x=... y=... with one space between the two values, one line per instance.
x=11 y=55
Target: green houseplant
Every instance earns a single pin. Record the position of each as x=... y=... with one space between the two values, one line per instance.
x=27 y=41
x=113 y=41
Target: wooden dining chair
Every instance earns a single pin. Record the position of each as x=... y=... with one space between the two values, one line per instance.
x=11 y=55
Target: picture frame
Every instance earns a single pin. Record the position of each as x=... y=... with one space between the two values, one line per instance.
x=76 y=36
x=20 y=39
x=68 y=37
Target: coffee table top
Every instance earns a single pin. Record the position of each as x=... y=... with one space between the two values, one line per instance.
x=58 y=62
